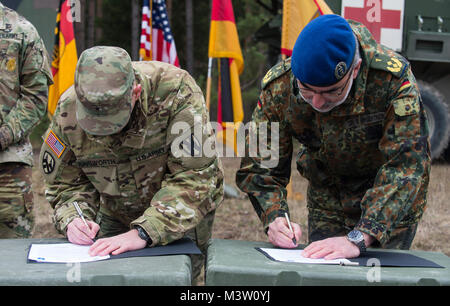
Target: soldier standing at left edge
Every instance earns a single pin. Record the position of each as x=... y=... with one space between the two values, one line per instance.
x=24 y=80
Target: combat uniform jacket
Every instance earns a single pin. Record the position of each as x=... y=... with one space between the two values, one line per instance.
x=367 y=160
x=25 y=77
x=135 y=175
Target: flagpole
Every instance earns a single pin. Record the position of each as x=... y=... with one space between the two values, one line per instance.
x=151 y=29
x=208 y=83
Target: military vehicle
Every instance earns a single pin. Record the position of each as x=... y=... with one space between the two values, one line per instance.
x=417 y=29
x=420 y=31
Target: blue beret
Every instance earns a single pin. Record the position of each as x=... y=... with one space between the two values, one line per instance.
x=324 y=51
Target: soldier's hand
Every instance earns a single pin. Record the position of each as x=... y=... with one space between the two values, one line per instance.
x=331 y=248
x=78 y=233
x=128 y=241
x=281 y=236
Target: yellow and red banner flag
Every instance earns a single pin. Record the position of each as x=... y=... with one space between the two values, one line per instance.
x=224 y=45
x=296 y=15
x=64 y=58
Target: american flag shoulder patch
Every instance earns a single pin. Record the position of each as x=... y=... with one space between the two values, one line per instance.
x=55 y=144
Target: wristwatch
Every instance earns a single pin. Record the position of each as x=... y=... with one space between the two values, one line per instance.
x=143 y=235
x=357 y=238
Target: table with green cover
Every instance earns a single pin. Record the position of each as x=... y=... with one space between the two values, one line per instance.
x=239 y=263
x=167 y=270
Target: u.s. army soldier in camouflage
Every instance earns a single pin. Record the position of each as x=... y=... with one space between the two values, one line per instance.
x=364 y=143
x=109 y=148
x=24 y=80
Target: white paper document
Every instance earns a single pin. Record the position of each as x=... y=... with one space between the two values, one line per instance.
x=62 y=253
x=295 y=255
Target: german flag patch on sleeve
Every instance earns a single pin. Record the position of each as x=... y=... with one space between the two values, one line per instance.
x=405 y=85
x=259 y=106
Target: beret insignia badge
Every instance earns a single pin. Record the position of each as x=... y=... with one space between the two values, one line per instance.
x=340 y=70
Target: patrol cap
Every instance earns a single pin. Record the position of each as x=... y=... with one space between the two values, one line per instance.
x=324 y=51
x=104 y=79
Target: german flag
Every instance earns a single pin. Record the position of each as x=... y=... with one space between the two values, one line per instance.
x=296 y=15
x=224 y=44
x=64 y=59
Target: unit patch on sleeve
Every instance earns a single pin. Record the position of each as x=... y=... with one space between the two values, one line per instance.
x=48 y=163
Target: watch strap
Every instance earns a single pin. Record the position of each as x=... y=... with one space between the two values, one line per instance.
x=143 y=235
x=361 y=244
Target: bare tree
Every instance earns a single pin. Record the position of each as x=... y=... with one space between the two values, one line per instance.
x=91 y=23
x=135 y=21
x=189 y=37
x=80 y=28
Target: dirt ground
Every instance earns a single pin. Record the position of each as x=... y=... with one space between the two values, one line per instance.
x=236 y=218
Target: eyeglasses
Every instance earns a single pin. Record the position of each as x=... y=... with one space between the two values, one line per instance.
x=308 y=93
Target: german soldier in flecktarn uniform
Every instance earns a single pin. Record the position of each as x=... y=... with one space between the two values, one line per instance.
x=355 y=108
x=24 y=79
x=110 y=149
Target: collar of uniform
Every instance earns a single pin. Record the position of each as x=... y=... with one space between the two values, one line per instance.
x=135 y=137
x=355 y=104
x=132 y=138
x=143 y=99
x=355 y=101
x=149 y=85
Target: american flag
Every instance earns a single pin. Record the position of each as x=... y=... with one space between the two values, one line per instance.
x=161 y=45
x=55 y=144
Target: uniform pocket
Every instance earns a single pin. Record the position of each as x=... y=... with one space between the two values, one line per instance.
x=9 y=65
x=311 y=169
x=11 y=208
x=364 y=129
x=148 y=171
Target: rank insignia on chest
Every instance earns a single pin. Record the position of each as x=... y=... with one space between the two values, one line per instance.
x=11 y=65
x=55 y=144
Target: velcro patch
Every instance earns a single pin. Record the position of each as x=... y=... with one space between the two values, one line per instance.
x=55 y=144
x=406 y=107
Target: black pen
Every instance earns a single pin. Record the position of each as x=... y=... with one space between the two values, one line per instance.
x=290 y=227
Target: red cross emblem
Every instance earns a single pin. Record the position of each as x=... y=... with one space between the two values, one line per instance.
x=373 y=16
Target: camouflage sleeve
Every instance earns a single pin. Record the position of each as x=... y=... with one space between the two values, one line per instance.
x=35 y=77
x=398 y=196
x=193 y=186
x=65 y=183
x=265 y=181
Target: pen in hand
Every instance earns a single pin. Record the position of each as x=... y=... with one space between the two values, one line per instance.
x=80 y=213
x=290 y=227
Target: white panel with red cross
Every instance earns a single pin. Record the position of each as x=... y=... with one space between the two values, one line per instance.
x=383 y=18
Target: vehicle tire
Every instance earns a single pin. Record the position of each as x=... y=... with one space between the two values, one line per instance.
x=438 y=118
x=446 y=154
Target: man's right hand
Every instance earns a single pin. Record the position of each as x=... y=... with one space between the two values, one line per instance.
x=281 y=236
x=79 y=233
